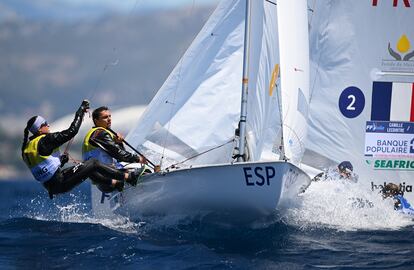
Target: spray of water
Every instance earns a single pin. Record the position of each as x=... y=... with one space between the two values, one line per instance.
x=345 y=206
x=76 y=211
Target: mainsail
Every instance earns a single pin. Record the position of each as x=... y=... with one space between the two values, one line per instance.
x=198 y=106
x=362 y=78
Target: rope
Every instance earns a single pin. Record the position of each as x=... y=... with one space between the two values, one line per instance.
x=174 y=96
x=74 y=160
x=110 y=63
x=311 y=90
x=66 y=152
x=69 y=144
x=199 y=154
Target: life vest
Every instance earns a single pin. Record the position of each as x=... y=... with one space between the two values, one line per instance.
x=42 y=167
x=404 y=206
x=89 y=151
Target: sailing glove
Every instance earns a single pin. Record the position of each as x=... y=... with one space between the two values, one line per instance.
x=85 y=105
x=64 y=158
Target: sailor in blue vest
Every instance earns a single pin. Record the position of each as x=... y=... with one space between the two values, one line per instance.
x=102 y=144
x=41 y=154
x=401 y=204
x=344 y=171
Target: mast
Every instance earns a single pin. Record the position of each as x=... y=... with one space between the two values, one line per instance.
x=245 y=84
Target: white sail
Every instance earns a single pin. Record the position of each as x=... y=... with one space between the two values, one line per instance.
x=263 y=118
x=357 y=48
x=175 y=124
x=198 y=106
x=294 y=63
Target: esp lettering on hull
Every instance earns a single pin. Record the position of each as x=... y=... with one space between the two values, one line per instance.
x=259 y=176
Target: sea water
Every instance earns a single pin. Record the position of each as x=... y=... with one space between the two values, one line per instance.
x=336 y=225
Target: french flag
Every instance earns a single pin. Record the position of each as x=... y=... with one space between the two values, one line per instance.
x=392 y=101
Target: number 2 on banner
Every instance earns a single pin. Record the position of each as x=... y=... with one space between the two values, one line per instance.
x=351 y=102
x=351 y=105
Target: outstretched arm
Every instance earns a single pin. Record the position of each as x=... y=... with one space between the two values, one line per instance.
x=318 y=177
x=56 y=139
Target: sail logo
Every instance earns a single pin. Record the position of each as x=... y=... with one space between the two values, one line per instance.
x=395 y=140
x=400 y=56
x=375 y=127
x=406 y=3
x=394 y=164
x=274 y=76
x=392 y=101
x=403 y=51
x=403 y=187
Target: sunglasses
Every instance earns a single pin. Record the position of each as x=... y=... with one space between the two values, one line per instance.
x=346 y=172
x=45 y=124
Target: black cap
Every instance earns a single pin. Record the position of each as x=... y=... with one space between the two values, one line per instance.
x=345 y=165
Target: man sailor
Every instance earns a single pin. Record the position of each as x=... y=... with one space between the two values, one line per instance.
x=101 y=143
x=401 y=204
x=344 y=171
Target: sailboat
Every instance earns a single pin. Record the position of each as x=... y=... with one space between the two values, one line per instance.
x=228 y=126
x=362 y=94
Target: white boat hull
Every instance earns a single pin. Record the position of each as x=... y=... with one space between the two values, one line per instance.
x=247 y=189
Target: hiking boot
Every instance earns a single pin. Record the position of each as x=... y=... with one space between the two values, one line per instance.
x=119 y=185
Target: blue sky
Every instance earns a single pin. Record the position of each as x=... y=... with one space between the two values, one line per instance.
x=83 y=9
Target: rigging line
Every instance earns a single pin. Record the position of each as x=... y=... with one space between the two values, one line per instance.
x=109 y=62
x=66 y=151
x=271 y=2
x=98 y=82
x=282 y=118
x=312 y=9
x=302 y=146
x=202 y=153
x=174 y=96
x=68 y=146
x=320 y=54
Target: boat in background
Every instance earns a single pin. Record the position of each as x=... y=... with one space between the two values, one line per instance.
x=222 y=110
x=362 y=90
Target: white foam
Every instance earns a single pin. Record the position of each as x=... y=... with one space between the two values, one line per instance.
x=75 y=212
x=345 y=206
